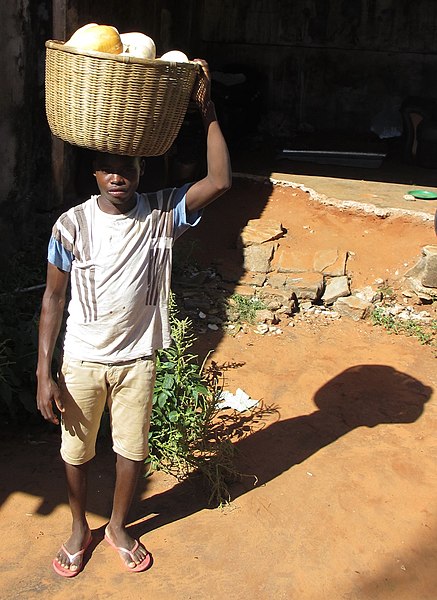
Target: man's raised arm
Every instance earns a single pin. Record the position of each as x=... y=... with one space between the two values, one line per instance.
x=219 y=175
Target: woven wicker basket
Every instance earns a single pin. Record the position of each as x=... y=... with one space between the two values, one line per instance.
x=116 y=104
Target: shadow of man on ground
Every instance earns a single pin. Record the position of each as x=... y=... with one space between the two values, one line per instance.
x=361 y=396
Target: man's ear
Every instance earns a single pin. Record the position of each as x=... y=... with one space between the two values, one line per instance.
x=142 y=166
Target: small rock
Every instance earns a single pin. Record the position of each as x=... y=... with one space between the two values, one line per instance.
x=274 y=305
x=262 y=329
x=213 y=326
x=264 y=316
x=306 y=306
x=369 y=294
x=232 y=313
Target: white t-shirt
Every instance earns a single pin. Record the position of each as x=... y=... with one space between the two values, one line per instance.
x=120 y=275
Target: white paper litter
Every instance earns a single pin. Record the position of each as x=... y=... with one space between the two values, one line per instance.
x=239 y=401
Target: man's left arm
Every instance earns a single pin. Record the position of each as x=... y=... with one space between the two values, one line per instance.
x=219 y=174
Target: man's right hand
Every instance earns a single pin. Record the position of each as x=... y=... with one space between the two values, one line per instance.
x=49 y=392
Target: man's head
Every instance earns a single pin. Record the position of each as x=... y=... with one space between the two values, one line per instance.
x=117 y=178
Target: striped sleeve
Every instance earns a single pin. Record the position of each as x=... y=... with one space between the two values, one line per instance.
x=182 y=221
x=61 y=245
x=60 y=257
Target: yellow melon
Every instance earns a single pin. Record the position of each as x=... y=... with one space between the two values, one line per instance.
x=103 y=38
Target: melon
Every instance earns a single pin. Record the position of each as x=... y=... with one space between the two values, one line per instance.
x=138 y=45
x=175 y=56
x=103 y=38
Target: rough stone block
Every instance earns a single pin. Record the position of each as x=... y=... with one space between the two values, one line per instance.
x=293 y=261
x=281 y=297
x=335 y=288
x=352 y=307
x=244 y=290
x=306 y=286
x=256 y=279
x=424 y=293
x=258 y=257
x=429 y=276
x=277 y=280
x=259 y=231
x=417 y=269
x=331 y=262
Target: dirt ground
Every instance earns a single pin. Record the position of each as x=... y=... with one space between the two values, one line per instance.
x=339 y=501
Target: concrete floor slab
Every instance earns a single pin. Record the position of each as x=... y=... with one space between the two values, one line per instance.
x=384 y=187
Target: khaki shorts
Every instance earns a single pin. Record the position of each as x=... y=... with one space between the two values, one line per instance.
x=126 y=388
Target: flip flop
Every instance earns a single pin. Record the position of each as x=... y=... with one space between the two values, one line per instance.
x=65 y=572
x=142 y=566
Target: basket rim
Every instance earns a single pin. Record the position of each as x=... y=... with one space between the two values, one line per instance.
x=63 y=47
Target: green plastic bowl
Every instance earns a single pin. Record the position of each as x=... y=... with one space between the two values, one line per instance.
x=423 y=194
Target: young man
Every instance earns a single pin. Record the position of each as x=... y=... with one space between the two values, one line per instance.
x=116 y=247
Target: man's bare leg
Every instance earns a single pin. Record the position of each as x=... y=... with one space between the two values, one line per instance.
x=127 y=473
x=77 y=483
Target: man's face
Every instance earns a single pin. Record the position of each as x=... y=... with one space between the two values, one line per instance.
x=118 y=178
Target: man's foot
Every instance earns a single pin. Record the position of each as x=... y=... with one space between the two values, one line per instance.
x=69 y=560
x=133 y=554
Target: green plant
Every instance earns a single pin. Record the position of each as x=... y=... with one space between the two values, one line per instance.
x=180 y=398
x=425 y=333
x=182 y=438
x=387 y=291
x=246 y=306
